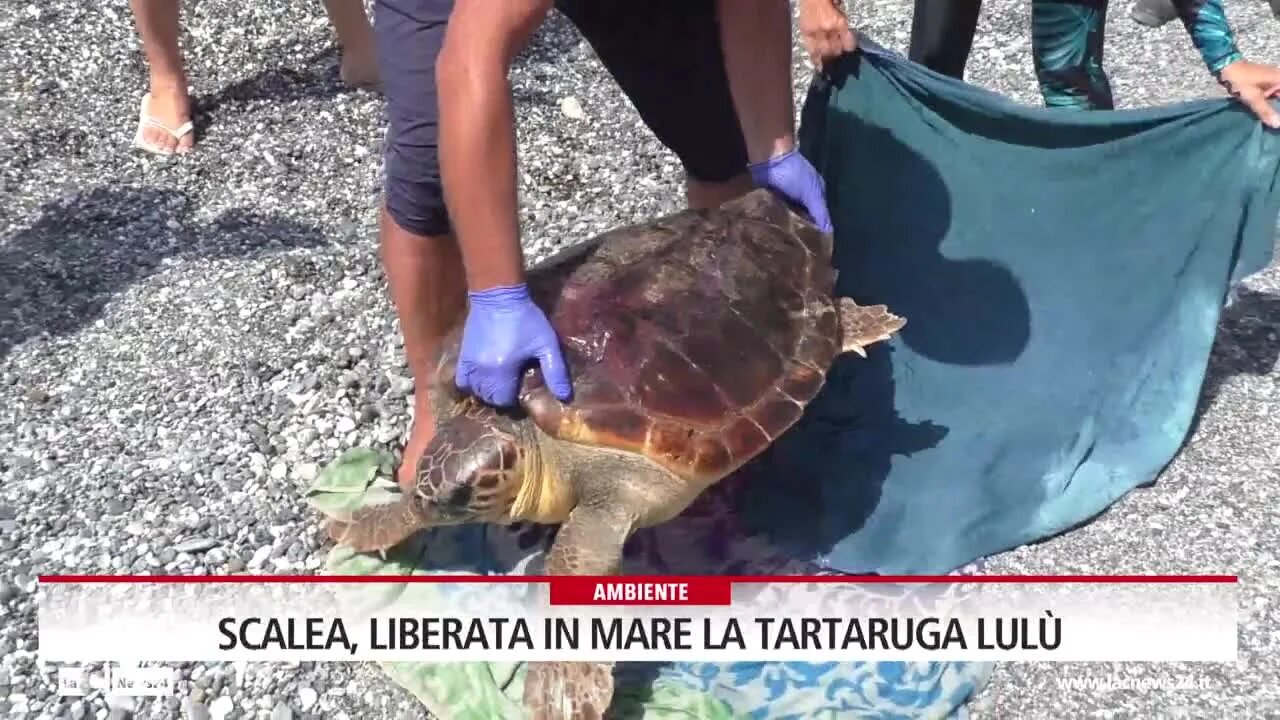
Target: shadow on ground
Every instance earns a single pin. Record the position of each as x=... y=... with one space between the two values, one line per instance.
x=58 y=273
x=816 y=489
x=1248 y=343
x=316 y=78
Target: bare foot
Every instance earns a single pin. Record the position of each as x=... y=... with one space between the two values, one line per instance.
x=169 y=106
x=424 y=428
x=359 y=69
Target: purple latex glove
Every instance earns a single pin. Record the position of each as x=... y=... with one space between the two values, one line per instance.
x=504 y=330
x=793 y=177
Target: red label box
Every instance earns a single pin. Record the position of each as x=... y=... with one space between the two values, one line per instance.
x=640 y=591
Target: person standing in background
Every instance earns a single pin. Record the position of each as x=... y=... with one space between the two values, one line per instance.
x=164 y=115
x=1068 y=38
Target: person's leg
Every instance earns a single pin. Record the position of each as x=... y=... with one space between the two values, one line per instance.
x=355 y=36
x=665 y=55
x=421 y=260
x=168 y=104
x=942 y=34
x=1067 y=38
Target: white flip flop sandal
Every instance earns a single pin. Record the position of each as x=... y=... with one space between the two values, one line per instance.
x=145 y=121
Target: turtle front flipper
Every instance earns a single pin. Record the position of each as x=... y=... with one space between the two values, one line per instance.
x=863 y=325
x=588 y=543
x=379 y=527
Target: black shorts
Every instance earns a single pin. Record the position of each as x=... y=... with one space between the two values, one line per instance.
x=664 y=54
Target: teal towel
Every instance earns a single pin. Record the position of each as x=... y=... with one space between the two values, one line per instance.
x=1062 y=274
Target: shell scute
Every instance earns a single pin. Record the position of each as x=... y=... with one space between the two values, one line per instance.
x=623 y=425
x=743 y=438
x=695 y=339
x=801 y=382
x=775 y=414
x=669 y=385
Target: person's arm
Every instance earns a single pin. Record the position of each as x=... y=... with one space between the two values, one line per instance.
x=504 y=328
x=1251 y=83
x=755 y=37
x=477 y=133
x=1206 y=23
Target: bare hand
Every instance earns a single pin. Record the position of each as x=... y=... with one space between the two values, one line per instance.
x=825 y=30
x=1253 y=84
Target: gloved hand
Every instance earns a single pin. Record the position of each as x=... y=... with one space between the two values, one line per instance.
x=504 y=330
x=793 y=177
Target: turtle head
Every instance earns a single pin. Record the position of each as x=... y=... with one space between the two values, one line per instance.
x=473 y=469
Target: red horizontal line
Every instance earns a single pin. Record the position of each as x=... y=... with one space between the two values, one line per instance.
x=749 y=579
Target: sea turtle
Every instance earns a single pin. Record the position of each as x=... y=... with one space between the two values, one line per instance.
x=693 y=341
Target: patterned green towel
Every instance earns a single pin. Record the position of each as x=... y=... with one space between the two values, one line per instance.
x=706 y=539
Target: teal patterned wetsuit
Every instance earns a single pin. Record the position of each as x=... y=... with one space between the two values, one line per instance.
x=1067 y=42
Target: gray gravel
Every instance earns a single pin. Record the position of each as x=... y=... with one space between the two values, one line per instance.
x=183 y=342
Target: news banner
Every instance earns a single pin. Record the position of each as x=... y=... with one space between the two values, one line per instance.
x=464 y=618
